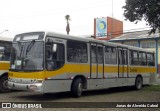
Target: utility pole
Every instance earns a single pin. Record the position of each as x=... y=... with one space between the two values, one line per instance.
x=112 y=26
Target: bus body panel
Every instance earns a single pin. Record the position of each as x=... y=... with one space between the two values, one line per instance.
x=4 y=65
x=61 y=81
x=27 y=75
x=56 y=85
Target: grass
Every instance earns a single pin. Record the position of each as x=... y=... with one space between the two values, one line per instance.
x=151 y=88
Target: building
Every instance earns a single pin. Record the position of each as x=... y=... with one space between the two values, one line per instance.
x=142 y=39
x=106 y=28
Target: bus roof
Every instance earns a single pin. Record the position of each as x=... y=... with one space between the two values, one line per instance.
x=96 y=41
x=6 y=38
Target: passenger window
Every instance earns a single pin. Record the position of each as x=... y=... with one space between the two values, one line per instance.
x=150 y=59
x=77 y=52
x=133 y=58
x=110 y=55
x=142 y=58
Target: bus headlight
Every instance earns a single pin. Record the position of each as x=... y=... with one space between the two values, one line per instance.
x=33 y=87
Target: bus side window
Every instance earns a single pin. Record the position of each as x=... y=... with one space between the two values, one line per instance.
x=142 y=58
x=110 y=55
x=153 y=59
x=77 y=52
x=133 y=59
x=150 y=59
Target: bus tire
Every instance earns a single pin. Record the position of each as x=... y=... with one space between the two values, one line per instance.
x=3 y=84
x=138 y=82
x=76 y=88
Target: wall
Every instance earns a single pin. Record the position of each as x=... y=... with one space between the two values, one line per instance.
x=115 y=27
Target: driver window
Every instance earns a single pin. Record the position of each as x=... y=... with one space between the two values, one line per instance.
x=54 y=55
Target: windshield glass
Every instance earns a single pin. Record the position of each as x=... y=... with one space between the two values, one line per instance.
x=27 y=56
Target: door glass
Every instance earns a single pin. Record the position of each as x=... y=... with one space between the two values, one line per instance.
x=93 y=54
x=100 y=54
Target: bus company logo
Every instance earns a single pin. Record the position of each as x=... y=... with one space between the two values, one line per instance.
x=6 y=105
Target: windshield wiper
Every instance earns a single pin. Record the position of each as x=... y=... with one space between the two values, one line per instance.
x=30 y=46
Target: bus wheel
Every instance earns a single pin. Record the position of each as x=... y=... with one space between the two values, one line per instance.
x=76 y=88
x=138 y=83
x=4 y=84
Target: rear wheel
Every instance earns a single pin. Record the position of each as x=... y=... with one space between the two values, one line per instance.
x=76 y=88
x=4 y=84
x=138 y=83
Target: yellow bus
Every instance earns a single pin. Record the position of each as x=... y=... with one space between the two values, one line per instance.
x=49 y=62
x=5 y=50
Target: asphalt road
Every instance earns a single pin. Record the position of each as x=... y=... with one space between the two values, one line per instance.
x=125 y=94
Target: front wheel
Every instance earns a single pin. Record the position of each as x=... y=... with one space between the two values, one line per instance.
x=4 y=84
x=138 y=83
x=76 y=88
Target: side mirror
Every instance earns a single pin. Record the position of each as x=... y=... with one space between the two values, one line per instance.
x=54 y=48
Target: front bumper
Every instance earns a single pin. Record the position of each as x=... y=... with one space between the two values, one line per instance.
x=37 y=87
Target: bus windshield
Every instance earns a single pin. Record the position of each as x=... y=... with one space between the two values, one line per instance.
x=27 y=56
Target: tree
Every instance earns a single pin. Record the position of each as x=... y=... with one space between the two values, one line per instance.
x=68 y=18
x=149 y=10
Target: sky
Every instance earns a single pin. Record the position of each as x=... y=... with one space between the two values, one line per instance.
x=18 y=16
